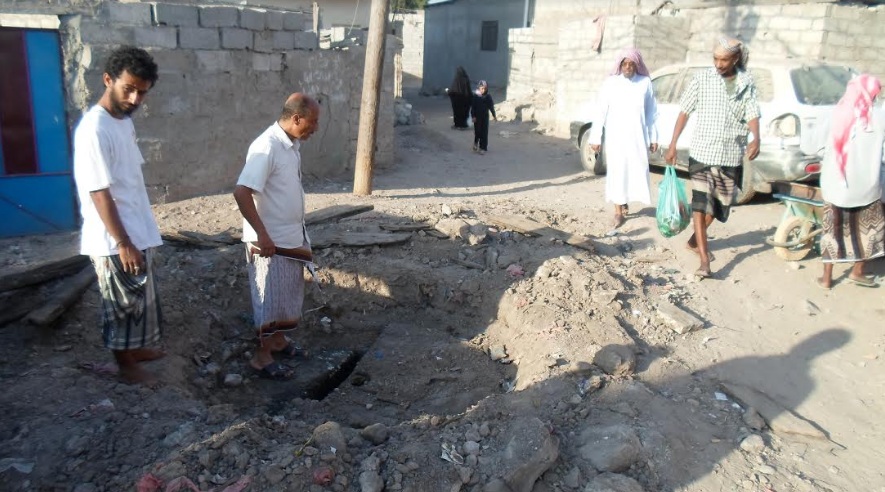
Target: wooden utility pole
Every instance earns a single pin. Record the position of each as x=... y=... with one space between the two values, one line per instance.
x=365 y=145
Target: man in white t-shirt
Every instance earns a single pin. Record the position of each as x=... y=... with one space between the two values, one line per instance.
x=119 y=233
x=271 y=199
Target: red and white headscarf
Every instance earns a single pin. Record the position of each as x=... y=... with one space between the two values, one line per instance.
x=633 y=55
x=854 y=108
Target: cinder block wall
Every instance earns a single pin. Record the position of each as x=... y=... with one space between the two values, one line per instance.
x=224 y=74
x=853 y=35
x=413 y=50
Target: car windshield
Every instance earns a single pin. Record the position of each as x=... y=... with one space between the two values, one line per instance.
x=821 y=85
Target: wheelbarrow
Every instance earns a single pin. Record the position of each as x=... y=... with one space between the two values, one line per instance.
x=802 y=222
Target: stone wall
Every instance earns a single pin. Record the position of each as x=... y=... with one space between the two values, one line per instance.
x=224 y=74
x=841 y=34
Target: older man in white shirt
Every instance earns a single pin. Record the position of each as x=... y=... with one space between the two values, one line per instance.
x=271 y=199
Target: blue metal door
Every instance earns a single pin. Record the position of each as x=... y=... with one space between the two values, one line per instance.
x=36 y=185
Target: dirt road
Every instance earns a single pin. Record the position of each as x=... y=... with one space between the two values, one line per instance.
x=511 y=357
x=759 y=309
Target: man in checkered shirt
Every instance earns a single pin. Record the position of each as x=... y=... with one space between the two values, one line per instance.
x=723 y=100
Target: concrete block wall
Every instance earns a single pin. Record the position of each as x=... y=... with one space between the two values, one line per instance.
x=852 y=35
x=413 y=50
x=770 y=31
x=225 y=72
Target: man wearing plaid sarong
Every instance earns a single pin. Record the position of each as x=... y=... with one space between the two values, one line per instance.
x=119 y=232
x=723 y=100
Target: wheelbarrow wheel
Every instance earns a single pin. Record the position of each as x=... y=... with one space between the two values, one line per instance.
x=791 y=229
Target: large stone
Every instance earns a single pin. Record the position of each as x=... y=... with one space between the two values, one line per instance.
x=613 y=482
x=617 y=360
x=329 y=435
x=610 y=449
x=371 y=482
x=274 y=474
x=375 y=433
x=530 y=452
x=453 y=227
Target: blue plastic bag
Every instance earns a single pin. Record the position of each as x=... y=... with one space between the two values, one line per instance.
x=674 y=210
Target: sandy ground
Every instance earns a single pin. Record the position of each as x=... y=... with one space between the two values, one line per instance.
x=816 y=353
x=823 y=362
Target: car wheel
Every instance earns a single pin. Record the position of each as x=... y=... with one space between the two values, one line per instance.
x=747 y=185
x=593 y=162
x=790 y=230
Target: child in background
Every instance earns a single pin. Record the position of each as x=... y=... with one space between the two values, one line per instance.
x=480 y=108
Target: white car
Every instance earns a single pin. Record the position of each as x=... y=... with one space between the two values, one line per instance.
x=793 y=96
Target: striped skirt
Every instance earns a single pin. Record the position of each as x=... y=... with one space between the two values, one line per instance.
x=853 y=234
x=277 y=287
x=713 y=188
x=131 y=316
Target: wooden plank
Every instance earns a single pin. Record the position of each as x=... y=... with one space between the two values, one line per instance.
x=62 y=300
x=43 y=273
x=18 y=304
x=335 y=212
x=181 y=240
x=223 y=238
x=680 y=321
x=325 y=239
x=415 y=226
x=527 y=226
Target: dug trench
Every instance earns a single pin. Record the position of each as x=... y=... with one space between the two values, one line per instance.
x=469 y=357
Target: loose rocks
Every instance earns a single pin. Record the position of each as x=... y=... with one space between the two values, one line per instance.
x=610 y=449
x=530 y=452
x=612 y=482
x=375 y=433
x=617 y=360
x=329 y=435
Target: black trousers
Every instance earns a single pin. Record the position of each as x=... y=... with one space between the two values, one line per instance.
x=460 y=108
x=481 y=132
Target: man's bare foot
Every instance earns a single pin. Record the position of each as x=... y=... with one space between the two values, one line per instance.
x=618 y=221
x=147 y=354
x=823 y=283
x=134 y=374
x=694 y=249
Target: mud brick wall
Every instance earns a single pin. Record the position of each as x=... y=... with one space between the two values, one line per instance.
x=224 y=74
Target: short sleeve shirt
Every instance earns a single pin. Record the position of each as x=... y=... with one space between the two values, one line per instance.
x=273 y=172
x=106 y=156
x=722 y=117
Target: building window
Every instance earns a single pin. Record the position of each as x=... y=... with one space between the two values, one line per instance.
x=489 y=40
